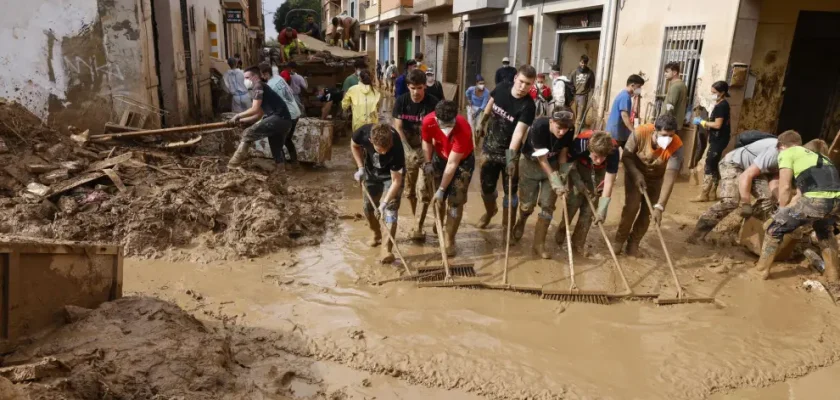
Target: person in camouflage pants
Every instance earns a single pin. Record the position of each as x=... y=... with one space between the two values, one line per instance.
x=744 y=171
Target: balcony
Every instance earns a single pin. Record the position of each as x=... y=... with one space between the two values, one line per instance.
x=236 y=4
x=467 y=6
x=421 y=6
x=396 y=10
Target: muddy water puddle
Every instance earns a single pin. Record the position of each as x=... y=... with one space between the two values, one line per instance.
x=510 y=345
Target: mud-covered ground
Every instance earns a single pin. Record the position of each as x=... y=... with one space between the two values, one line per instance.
x=313 y=317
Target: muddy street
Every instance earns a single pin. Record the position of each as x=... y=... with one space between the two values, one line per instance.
x=508 y=345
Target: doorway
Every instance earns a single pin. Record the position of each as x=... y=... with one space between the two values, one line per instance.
x=811 y=92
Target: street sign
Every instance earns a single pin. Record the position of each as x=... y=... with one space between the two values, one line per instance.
x=234 y=16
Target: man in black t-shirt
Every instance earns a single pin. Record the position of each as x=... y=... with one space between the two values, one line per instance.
x=381 y=163
x=595 y=158
x=506 y=119
x=276 y=119
x=409 y=110
x=543 y=178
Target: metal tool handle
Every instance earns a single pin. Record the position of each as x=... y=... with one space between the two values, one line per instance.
x=164 y=131
x=387 y=231
x=569 y=243
x=664 y=248
x=507 y=244
x=609 y=246
x=440 y=234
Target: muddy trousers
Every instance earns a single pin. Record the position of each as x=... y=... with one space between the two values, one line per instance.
x=581 y=101
x=272 y=127
x=534 y=190
x=717 y=144
x=455 y=196
x=730 y=198
x=822 y=214
x=376 y=188
x=576 y=203
x=415 y=184
x=635 y=215
x=493 y=167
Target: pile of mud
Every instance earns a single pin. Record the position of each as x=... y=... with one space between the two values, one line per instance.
x=132 y=348
x=153 y=202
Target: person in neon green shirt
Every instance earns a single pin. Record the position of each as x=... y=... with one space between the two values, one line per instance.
x=817 y=203
x=363 y=100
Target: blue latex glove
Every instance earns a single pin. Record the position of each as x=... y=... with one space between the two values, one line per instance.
x=697 y=121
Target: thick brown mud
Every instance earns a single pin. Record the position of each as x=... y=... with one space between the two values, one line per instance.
x=507 y=345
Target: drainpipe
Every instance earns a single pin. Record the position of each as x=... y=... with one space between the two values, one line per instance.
x=605 y=58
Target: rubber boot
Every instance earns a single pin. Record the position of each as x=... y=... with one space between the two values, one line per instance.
x=413 y=203
x=633 y=249
x=704 y=190
x=505 y=218
x=417 y=234
x=700 y=231
x=519 y=227
x=240 y=155
x=540 y=231
x=829 y=255
x=768 y=253
x=452 y=224
x=373 y=223
x=490 y=209
x=387 y=255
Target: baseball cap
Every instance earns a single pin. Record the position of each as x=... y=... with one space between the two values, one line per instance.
x=505 y=60
x=430 y=71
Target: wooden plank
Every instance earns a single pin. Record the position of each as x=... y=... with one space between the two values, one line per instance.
x=110 y=162
x=124 y=118
x=115 y=178
x=115 y=128
x=69 y=184
x=317 y=45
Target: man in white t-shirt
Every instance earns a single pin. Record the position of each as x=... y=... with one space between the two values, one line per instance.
x=744 y=172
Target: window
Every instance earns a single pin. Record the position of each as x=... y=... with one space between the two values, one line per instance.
x=353 y=9
x=682 y=44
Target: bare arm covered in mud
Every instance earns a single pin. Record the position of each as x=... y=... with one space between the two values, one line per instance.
x=451 y=167
x=358 y=157
x=625 y=116
x=252 y=114
x=745 y=183
x=667 y=186
x=609 y=182
x=562 y=158
x=485 y=118
x=396 y=186
x=398 y=126
x=785 y=178
x=519 y=135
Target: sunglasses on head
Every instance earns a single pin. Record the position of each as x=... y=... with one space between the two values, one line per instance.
x=562 y=115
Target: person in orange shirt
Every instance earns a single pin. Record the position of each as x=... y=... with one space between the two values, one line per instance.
x=652 y=159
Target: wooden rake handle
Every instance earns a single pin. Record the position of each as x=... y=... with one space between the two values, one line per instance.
x=609 y=246
x=387 y=231
x=440 y=232
x=507 y=243
x=565 y=215
x=664 y=248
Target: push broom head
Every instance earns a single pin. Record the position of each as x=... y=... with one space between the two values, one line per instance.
x=577 y=296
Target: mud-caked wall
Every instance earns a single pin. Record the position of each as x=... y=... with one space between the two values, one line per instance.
x=75 y=62
x=640 y=34
x=773 y=40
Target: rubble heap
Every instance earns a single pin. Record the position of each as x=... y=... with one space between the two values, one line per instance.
x=55 y=186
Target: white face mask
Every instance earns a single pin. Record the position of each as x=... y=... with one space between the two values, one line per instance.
x=712 y=98
x=480 y=87
x=248 y=84
x=637 y=91
x=539 y=85
x=663 y=141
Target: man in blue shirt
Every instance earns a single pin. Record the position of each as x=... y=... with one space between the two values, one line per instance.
x=619 y=124
x=401 y=85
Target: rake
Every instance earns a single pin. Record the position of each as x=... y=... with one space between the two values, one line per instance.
x=573 y=294
x=505 y=285
x=681 y=298
x=466 y=269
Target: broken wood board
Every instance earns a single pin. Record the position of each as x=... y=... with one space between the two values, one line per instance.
x=752 y=234
x=450 y=90
x=115 y=178
x=72 y=183
x=313 y=44
x=110 y=162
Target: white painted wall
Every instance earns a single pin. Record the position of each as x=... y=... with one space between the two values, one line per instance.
x=31 y=35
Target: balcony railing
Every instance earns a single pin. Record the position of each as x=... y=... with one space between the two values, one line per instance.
x=426 y=5
x=388 y=5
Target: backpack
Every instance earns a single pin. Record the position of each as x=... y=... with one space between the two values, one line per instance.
x=748 y=137
x=563 y=92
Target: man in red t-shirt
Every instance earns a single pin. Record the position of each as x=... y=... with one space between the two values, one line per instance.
x=448 y=151
x=289 y=42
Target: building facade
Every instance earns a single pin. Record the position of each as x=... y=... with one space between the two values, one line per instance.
x=154 y=58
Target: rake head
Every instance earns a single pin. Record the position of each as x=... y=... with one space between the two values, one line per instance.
x=577 y=296
x=463 y=270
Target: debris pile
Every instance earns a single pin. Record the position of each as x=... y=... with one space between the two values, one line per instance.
x=135 y=347
x=60 y=186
